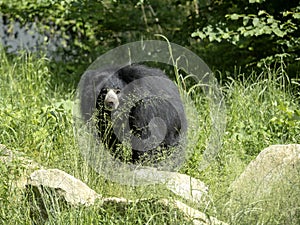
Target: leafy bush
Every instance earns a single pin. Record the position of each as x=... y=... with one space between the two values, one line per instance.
x=226 y=34
x=89 y=28
x=253 y=33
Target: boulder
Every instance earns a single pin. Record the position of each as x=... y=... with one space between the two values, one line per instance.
x=182 y=185
x=270 y=185
x=24 y=164
x=74 y=191
x=51 y=189
x=188 y=188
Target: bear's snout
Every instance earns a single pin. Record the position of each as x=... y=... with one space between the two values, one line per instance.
x=111 y=100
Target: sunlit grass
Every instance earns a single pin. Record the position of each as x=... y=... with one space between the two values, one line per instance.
x=36 y=119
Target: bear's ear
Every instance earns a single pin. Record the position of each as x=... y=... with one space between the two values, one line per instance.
x=90 y=86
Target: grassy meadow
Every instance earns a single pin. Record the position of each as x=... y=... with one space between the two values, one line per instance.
x=36 y=120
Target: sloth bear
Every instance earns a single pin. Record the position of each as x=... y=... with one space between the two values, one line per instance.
x=135 y=104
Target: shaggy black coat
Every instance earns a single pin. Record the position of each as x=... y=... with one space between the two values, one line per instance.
x=145 y=94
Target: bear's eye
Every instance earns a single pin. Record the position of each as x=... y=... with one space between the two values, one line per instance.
x=117 y=91
x=104 y=91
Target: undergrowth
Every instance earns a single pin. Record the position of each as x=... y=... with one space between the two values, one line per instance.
x=36 y=119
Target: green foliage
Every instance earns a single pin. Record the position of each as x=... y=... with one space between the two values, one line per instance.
x=286 y=121
x=246 y=33
x=261 y=111
x=36 y=101
x=259 y=32
x=32 y=110
x=69 y=20
x=89 y=28
x=35 y=118
x=36 y=121
x=260 y=126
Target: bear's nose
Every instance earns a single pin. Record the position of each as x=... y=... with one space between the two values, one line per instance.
x=109 y=104
x=111 y=100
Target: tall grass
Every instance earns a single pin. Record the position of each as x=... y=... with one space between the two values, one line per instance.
x=261 y=110
x=36 y=119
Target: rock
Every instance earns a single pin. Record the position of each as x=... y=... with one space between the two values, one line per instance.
x=198 y=218
x=182 y=185
x=19 y=160
x=187 y=187
x=74 y=191
x=270 y=182
x=275 y=164
x=45 y=188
